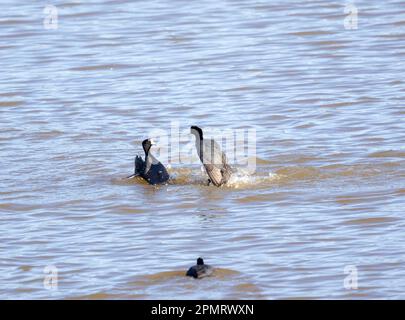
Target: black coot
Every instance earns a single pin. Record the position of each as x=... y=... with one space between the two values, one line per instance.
x=213 y=159
x=200 y=270
x=151 y=169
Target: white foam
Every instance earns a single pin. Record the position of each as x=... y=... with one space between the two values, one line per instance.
x=243 y=178
x=240 y=178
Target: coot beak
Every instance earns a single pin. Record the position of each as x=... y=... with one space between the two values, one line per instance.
x=152 y=142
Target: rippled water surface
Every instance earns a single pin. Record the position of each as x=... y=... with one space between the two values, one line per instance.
x=327 y=105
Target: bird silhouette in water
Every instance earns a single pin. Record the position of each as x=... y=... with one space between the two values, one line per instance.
x=214 y=160
x=200 y=270
x=153 y=171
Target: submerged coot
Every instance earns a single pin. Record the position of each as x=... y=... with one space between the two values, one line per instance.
x=200 y=270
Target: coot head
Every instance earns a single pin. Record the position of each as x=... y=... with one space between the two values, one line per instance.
x=200 y=261
x=147 y=144
x=196 y=131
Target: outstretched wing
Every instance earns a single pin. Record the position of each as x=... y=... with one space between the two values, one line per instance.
x=139 y=166
x=215 y=162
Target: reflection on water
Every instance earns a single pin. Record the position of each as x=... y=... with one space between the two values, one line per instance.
x=327 y=106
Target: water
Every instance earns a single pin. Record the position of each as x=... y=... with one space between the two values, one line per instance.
x=328 y=107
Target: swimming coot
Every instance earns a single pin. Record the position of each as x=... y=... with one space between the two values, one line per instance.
x=151 y=169
x=200 y=270
x=213 y=159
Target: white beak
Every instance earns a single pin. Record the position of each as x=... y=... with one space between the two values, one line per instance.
x=152 y=142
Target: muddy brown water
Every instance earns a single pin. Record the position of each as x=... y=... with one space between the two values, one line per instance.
x=327 y=105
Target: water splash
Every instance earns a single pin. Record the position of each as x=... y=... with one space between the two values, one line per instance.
x=241 y=178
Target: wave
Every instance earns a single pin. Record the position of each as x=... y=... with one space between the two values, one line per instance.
x=269 y=174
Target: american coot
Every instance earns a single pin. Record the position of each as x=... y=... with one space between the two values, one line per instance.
x=213 y=159
x=151 y=169
x=200 y=270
